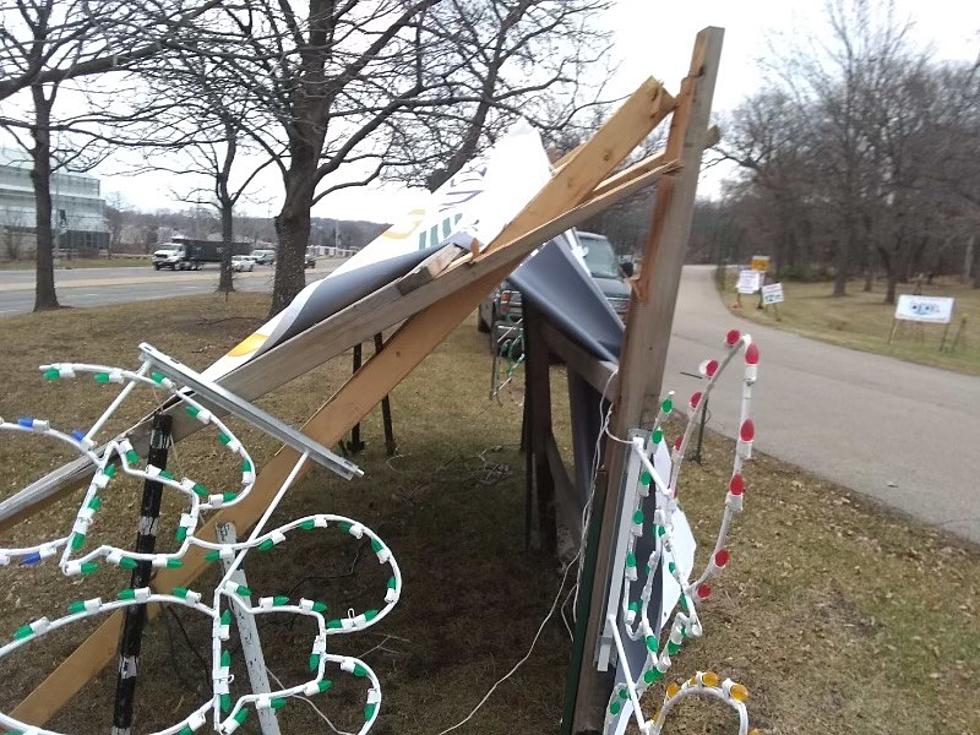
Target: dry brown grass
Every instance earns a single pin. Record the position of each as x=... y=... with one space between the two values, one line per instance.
x=862 y=321
x=840 y=618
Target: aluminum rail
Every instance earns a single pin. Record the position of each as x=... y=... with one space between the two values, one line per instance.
x=246 y=411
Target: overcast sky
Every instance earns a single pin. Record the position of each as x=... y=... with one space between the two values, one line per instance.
x=652 y=37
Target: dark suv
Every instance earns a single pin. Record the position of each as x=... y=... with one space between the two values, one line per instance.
x=604 y=267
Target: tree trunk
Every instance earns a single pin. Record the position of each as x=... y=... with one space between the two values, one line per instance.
x=969 y=261
x=44 y=291
x=226 y=279
x=840 y=264
x=293 y=230
x=892 y=287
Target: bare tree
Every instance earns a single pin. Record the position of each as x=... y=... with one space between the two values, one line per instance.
x=385 y=89
x=200 y=128
x=536 y=59
x=861 y=149
x=44 y=44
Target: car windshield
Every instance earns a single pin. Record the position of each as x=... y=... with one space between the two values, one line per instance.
x=599 y=256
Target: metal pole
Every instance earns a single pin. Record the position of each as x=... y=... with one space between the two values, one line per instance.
x=355 y=445
x=390 y=446
x=704 y=419
x=135 y=616
x=248 y=633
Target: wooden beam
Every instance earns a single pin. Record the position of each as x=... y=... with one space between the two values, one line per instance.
x=645 y=343
x=598 y=373
x=628 y=174
x=576 y=179
x=415 y=339
x=383 y=309
x=566 y=498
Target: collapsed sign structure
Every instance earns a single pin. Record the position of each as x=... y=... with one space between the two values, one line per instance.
x=425 y=276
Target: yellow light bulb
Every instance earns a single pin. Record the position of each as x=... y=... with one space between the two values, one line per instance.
x=739 y=692
x=709 y=679
x=672 y=689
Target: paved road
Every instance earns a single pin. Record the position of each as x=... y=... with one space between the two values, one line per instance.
x=864 y=421
x=97 y=286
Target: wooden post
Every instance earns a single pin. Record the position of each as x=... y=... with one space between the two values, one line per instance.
x=942 y=343
x=135 y=616
x=959 y=333
x=891 y=334
x=644 y=352
x=390 y=446
x=538 y=399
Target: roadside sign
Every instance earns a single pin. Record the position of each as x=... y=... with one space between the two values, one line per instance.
x=772 y=294
x=934 y=309
x=749 y=281
x=760 y=263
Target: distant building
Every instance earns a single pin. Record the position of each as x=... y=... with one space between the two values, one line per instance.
x=77 y=208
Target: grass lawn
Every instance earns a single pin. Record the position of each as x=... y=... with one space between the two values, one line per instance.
x=862 y=321
x=117 y=261
x=838 y=617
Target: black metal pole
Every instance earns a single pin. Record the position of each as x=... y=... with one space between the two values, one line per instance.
x=704 y=420
x=356 y=444
x=390 y=445
x=135 y=616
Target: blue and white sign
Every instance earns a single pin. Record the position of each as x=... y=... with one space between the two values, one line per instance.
x=935 y=309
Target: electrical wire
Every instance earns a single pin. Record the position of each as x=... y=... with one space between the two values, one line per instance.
x=523 y=660
x=309 y=702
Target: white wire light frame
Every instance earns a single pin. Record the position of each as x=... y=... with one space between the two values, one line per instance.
x=686 y=622
x=226 y=716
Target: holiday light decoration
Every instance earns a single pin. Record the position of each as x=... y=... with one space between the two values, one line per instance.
x=76 y=558
x=686 y=623
x=508 y=349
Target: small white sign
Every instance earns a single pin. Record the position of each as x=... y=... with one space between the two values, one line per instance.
x=935 y=309
x=772 y=294
x=749 y=281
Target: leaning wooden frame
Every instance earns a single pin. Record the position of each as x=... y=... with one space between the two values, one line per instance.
x=426 y=305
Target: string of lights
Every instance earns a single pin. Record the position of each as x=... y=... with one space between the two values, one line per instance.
x=686 y=623
x=118 y=455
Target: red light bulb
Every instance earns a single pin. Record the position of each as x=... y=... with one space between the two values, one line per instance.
x=704 y=591
x=752 y=354
x=721 y=557
x=736 y=486
x=732 y=337
x=747 y=432
x=708 y=368
x=695 y=399
x=677 y=443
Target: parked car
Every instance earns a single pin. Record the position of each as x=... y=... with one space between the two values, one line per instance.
x=264 y=257
x=242 y=263
x=603 y=266
x=310 y=259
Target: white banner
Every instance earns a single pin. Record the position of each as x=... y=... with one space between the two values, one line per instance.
x=749 y=281
x=772 y=294
x=478 y=202
x=935 y=309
